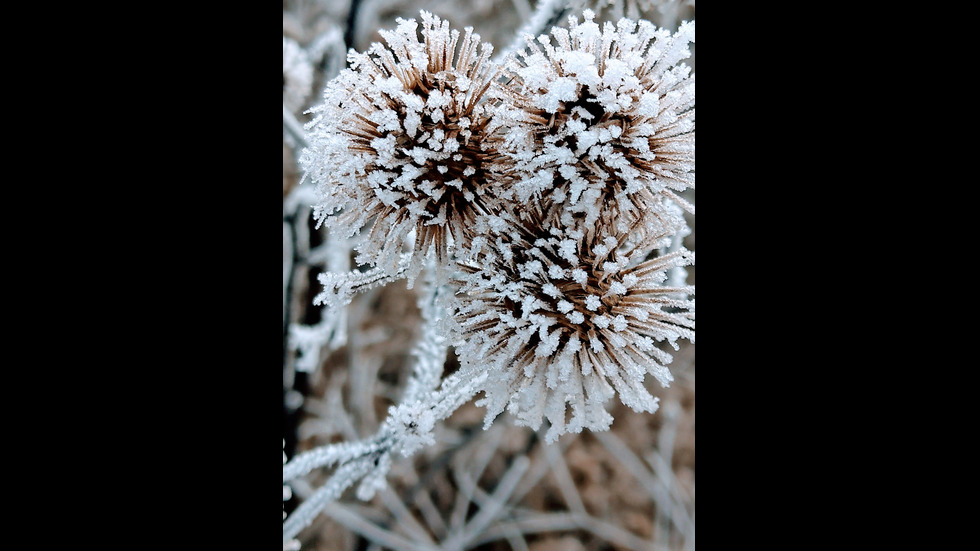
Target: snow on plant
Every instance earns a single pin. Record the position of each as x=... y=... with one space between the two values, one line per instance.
x=400 y=139
x=607 y=125
x=538 y=198
x=558 y=318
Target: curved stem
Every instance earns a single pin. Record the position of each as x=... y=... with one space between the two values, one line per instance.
x=293 y=126
x=547 y=14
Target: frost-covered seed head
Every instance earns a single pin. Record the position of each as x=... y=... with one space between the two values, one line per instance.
x=399 y=140
x=574 y=335
x=607 y=122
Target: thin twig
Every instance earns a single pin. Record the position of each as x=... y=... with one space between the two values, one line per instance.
x=344 y=478
x=547 y=14
x=489 y=513
x=657 y=488
x=292 y=126
x=559 y=468
x=405 y=518
x=467 y=480
x=371 y=532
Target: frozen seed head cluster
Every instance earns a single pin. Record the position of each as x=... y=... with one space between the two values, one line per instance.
x=545 y=189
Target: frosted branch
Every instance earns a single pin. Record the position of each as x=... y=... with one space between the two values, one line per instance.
x=547 y=14
x=408 y=428
x=340 y=288
x=344 y=478
x=380 y=536
x=430 y=352
x=328 y=456
x=293 y=127
x=301 y=197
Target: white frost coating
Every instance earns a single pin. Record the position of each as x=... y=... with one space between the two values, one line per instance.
x=537 y=365
x=562 y=89
x=405 y=113
x=582 y=65
x=416 y=423
x=611 y=115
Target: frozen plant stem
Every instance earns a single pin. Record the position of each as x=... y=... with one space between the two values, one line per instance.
x=493 y=508
x=547 y=14
x=407 y=429
x=344 y=478
x=380 y=536
x=292 y=126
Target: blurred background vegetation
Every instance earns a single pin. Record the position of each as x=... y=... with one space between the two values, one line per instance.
x=632 y=488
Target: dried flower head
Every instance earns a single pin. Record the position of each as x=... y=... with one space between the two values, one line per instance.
x=297 y=74
x=605 y=125
x=559 y=318
x=399 y=140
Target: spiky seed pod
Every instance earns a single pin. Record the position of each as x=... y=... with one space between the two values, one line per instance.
x=605 y=120
x=399 y=139
x=560 y=319
x=297 y=74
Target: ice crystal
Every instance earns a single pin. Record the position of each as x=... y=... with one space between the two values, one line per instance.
x=554 y=332
x=415 y=422
x=604 y=120
x=399 y=141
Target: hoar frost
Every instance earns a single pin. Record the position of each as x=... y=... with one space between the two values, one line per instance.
x=603 y=121
x=400 y=143
x=559 y=334
x=545 y=191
